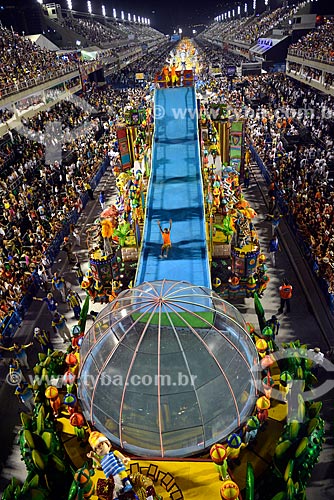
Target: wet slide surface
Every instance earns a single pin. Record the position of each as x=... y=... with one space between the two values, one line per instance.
x=175 y=192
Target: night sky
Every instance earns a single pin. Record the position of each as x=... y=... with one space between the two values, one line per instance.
x=165 y=15
x=170 y=15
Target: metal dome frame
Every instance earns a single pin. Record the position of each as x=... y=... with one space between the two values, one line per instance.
x=196 y=323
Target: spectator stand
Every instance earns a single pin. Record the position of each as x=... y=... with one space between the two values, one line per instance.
x=303 y=245
x=10 y=326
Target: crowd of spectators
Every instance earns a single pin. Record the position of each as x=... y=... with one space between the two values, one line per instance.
x=106 y=34
x=224 y=29
x=114 y=102
x=217 y=59
x=291 y=127
x=328 y=80
x=37 y=198
x=5 y=114
x=24 y=64
x=149 y=64
x=306 y=72
x=93 y=31
x=264 y=25
x=309 y=74
x=316 y=45
x=67 y=112
x=22 y=61
x=7 y=153
x=300 y=169
x=101 y=35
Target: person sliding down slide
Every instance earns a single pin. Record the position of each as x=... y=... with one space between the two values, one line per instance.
x=166 y=245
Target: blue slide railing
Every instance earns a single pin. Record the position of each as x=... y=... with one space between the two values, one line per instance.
x=175 y=192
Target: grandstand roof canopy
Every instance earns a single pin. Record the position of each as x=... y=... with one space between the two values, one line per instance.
x=43 y=42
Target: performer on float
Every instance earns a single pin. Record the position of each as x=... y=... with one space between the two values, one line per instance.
x=165 y=74
x=285 y=383
x=87 y=285
x=235 y=445
x=267 y=385
x=261 y=347
x=264 y=282
x=251 y=429
x=262 y=407
x=43 y=337
x=174 y=76
x=52 y=395
x=107 y=231
x=218 y=455
x=71 y=401
x=267 y=334
x=73 y=300
x=19 y=352
x=25 y=394
x=274 y=324
x=112 y=463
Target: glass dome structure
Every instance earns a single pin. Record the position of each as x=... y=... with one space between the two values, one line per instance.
x=166 y=370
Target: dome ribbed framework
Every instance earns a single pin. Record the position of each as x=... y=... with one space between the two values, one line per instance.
x=166 y=370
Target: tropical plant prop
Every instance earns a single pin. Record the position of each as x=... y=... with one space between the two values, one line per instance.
x=225 y=228
x=121 y=233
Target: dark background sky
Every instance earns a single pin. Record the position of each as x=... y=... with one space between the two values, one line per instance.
x=170 y=14
x=165 y=15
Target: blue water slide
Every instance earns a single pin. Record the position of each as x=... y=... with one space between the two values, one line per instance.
x=175 y=192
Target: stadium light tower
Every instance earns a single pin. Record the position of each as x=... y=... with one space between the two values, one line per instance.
x=89 y=6
x=149 y=22
x=134 y=18
x=114 y=13
x=229 y=14
x=103 y=10
x=69 y=4
x=180 y=31
x=233 y=12
x=246 y=8
x=122 y=15
x=239 y=10
x=40 y=1
x=129 y=17
x=266 y=3
x=254 y=6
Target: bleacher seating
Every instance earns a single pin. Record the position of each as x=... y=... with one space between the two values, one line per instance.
x=24 y=64
x=316 y=45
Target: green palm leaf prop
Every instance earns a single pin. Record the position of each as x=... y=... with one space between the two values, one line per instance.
x=122 y=232
x=83 y=314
